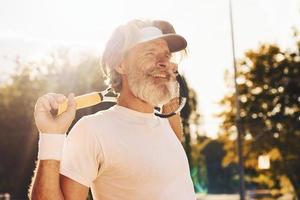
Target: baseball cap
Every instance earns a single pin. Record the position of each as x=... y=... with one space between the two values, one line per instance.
x=175 y=42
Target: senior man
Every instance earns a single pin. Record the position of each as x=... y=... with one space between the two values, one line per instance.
x=125 y=152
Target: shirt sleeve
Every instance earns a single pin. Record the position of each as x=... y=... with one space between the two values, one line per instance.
x=82 y=154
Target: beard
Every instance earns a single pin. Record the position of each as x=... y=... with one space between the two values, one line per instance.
x=155 y=91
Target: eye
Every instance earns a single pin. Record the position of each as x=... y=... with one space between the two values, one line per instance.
x=149 y=54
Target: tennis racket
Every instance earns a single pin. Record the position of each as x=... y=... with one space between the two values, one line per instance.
x=176 y=104
x=94 y=98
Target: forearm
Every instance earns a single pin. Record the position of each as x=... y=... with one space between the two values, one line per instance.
x=175 y=122
x=46 y=184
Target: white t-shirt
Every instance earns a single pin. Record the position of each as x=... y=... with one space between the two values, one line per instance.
x=123 y=154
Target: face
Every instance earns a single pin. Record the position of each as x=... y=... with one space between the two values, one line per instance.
x=150 y=74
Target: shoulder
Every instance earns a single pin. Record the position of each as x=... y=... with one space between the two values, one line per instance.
x=97 y=118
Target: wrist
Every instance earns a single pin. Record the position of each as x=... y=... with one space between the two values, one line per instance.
x=50 y=130
x=50 y=146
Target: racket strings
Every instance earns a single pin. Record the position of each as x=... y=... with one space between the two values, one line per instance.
x=176 y=104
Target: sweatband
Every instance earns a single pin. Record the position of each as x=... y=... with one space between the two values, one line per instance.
x=51 y=146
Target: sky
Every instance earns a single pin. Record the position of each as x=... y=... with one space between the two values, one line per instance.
x=29 y=27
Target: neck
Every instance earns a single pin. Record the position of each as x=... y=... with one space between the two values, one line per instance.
x=128 y=100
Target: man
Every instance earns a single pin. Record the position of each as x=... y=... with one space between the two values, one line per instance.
x=125 y=152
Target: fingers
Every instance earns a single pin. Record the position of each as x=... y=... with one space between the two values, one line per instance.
x=42 y=104
x=71 y=109
x=59 y=97
x=50 y=101
x=55 y=99
x=71 y=101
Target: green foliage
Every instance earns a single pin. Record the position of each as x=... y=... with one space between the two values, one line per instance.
x=269 y=86
x=191 y=121
x=18 y=135
x=220 y=179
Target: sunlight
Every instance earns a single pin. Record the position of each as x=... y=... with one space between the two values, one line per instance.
x=205 y=25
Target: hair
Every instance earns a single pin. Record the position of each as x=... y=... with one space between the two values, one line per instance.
x=120 y=41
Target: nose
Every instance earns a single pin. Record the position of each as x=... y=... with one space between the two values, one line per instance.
x=163 y=63
x=167 y=64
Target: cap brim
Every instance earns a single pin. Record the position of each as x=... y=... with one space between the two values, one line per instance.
x=175 y=42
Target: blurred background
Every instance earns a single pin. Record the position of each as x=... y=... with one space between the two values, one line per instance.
x=55 y=46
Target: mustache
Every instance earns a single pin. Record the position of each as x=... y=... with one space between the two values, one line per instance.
x=170 y=75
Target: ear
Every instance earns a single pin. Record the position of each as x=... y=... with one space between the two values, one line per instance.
x=121 y=69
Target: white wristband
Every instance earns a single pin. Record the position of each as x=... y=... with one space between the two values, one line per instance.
x=51 y=146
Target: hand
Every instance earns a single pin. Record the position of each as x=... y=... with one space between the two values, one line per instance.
x=48 y=123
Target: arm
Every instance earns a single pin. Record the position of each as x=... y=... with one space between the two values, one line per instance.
x=47 y=182
x=176 y=125
x=175 y=121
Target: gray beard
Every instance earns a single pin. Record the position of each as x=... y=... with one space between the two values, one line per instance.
x=156 y=94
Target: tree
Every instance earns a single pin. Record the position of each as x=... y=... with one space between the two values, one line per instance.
x=18 y=134
x=269 y=87
x=220 y=179
x=191 y=121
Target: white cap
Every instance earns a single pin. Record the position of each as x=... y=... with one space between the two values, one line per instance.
x=175 y=42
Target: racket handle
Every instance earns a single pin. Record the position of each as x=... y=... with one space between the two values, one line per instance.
x=82 y=101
